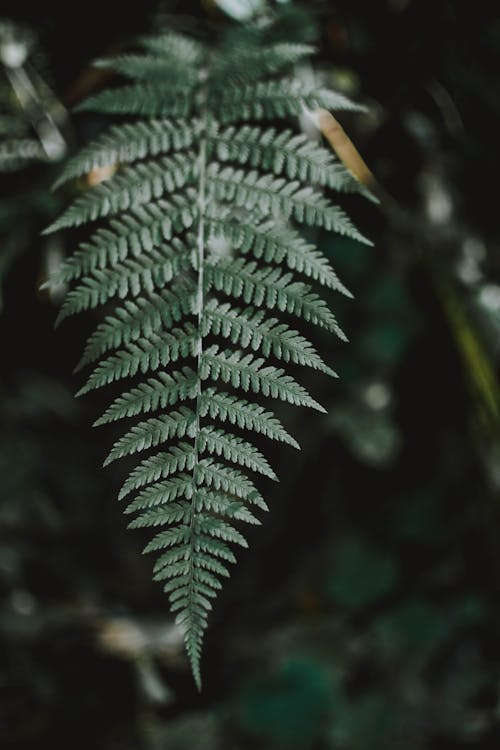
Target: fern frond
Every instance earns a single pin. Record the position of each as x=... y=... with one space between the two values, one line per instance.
x=249 y=416
x=234 y=449
x=271 y=287
x=130 y=142
x=18 y=152
x=151 y=68
x=130 y=188
x=136 y=234
x=139 y=317
x=246 y=372
x=144 y=356
x=270 y=100
x=270 y=195
x=275 y=243
x=160 y=466
x=225 y=505
x=250 y=328
x=130 y=276
x=163 y=493
x=173 y=513
x=154 y=431
x=199 y=244
x=250 y=65
x=175 y=47
x=165 y=390
x=292 y=154
x=150 y=99
x=231 y=481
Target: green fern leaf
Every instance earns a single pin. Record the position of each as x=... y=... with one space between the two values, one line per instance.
x=151 y=432
x=151 y=68
x=130 y=142
x=248 y=416
x=268 y=194
x=246 y=372
x=198 y=241
x=144 y=356
x=155 y=393
x=175 y=48
x=234 y=449
x=224 y=505
x=285 y=152
x=162 y=465
x=271 y=287
x=138 y=318
x=130 y=276
x=150 y=99
x=270 y=100
x=275 y=244
x=250 y=65
x=162 y=493
x=250 y=328
x=131 y=188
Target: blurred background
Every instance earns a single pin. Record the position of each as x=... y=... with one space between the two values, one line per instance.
x=365 y=615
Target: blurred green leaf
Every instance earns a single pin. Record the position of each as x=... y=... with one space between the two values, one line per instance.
x=384 y=342
x=195 y=731
x=360 y=573
x=364 y=724
x=419 y=517
x=371 y=435
x=290 y=707
x=411 y=631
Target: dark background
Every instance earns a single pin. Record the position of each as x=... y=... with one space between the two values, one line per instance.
x=365 y=614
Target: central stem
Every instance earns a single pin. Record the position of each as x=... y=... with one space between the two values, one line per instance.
x=200 y=255
x=194 y=626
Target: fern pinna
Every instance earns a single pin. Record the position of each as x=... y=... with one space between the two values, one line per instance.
x=202 y=258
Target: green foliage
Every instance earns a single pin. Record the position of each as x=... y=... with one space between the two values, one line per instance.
x=361 y=574
x=30 y=118
x=192 y=196
x=289 y=708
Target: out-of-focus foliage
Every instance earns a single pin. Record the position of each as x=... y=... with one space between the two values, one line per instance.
x=33 y=130
x=379 y=619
